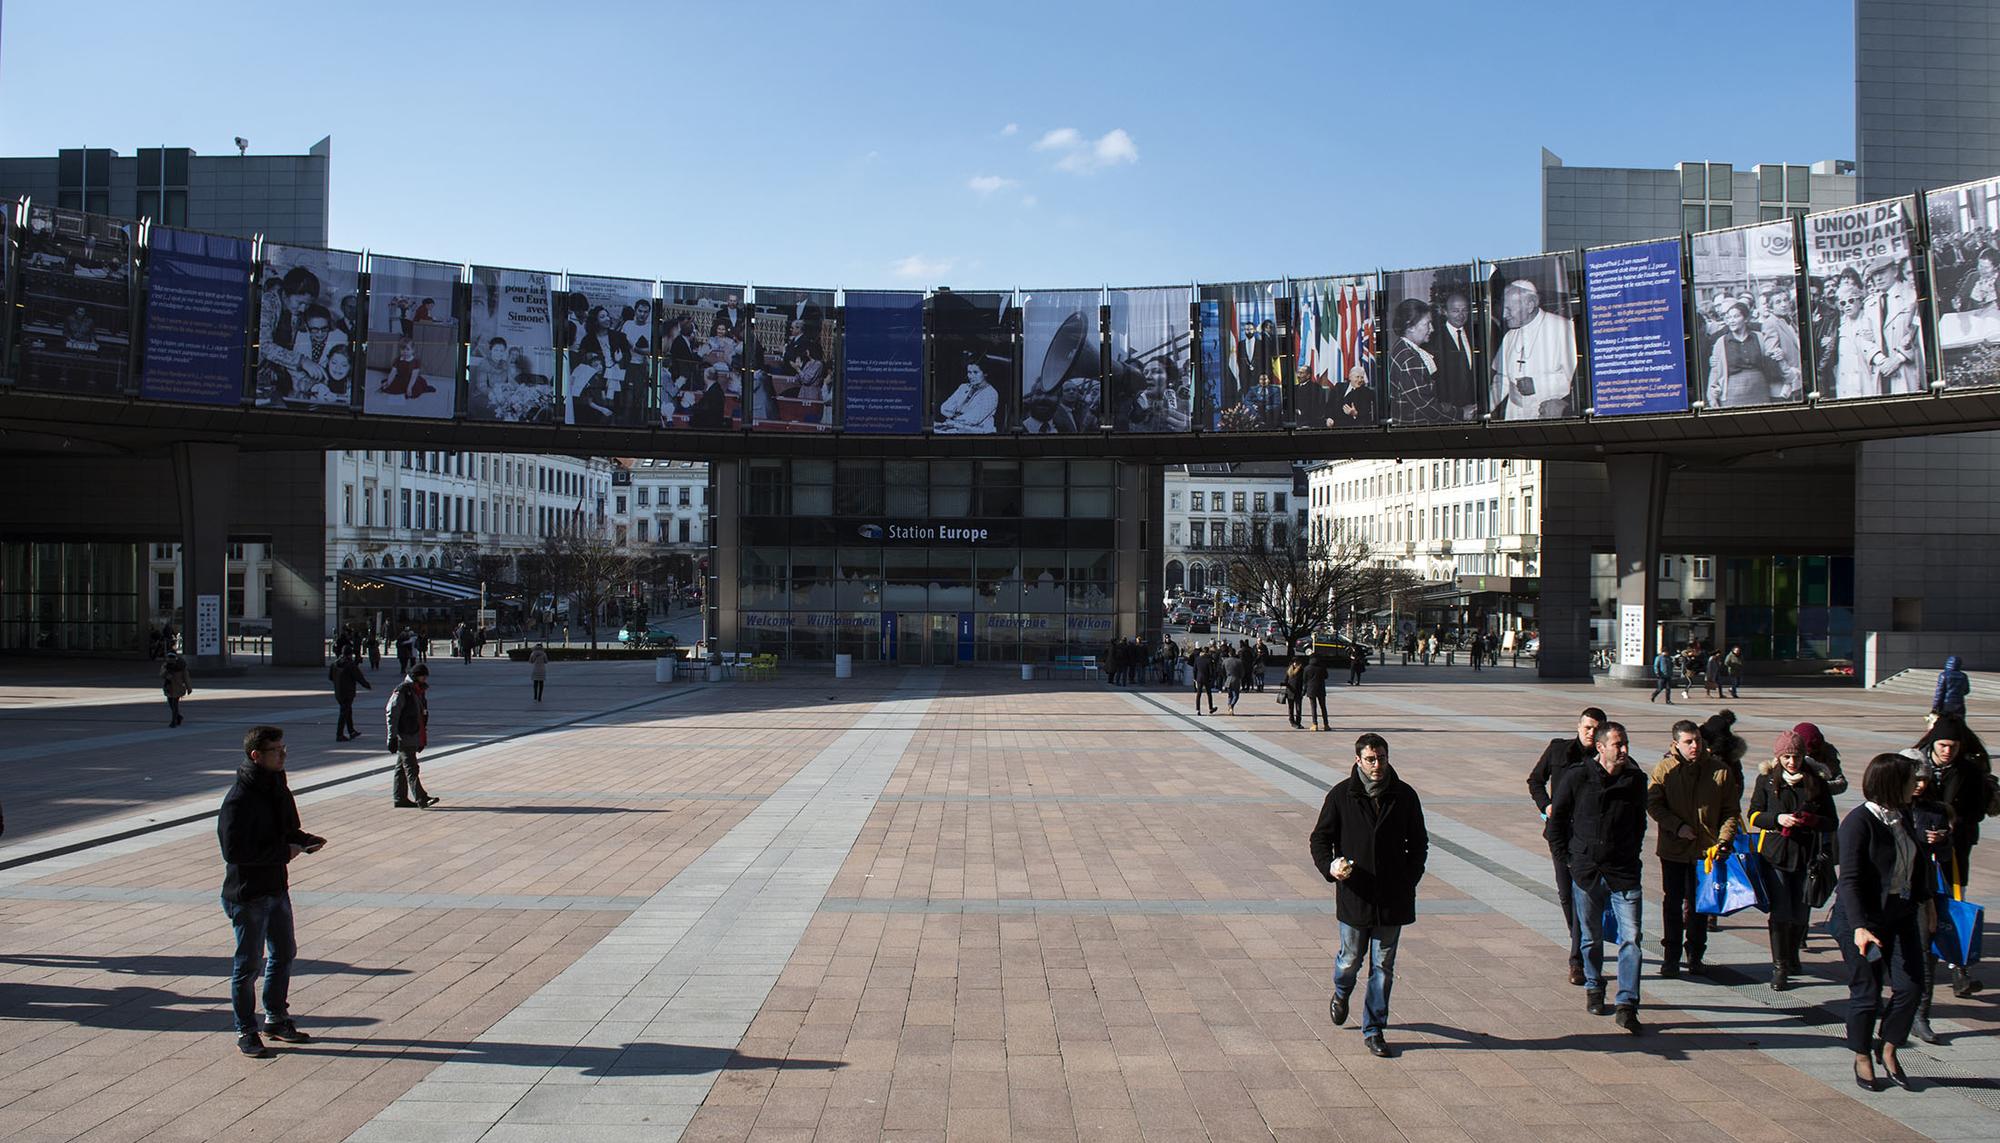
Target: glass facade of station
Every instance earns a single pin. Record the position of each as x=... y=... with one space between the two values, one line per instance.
x=80 y=598
x=927 y=562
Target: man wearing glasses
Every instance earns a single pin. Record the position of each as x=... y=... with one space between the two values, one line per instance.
x=259 y=831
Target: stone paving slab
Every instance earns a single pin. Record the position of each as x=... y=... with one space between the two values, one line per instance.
x=1038 y=911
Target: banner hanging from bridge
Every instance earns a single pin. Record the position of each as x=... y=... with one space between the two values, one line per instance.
x=511 y=327
x=1333 y=381
x=1242 y=368
x=1866 y=323
x=1638 y=332
x=197 y=310
x=1062 y=384
x=1151 y=385
x=1531 y=308
x=701 y=384
x=308 y=327
x=1965 y=281
x=1747 y=343
x=972 y=362
x=791 y=360
x=607 y=337
x=75 y=312
x=882 y=379
x=1434 y=358
x=412 y=339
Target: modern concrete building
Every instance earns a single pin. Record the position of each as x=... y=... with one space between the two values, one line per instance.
x=1601 y=206
x=1211 y=508
x=286 y=198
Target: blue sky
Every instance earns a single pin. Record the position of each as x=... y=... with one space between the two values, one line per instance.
x=863 y=144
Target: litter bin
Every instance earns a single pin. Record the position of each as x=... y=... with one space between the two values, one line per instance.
x=715 y=672
x=663 y=669
x=843 y=666
x=1027 y=672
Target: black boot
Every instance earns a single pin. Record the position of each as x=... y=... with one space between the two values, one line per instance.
x=1962 y=984
x=1921 y=1027
x=1798 y=944
x=1781 y=937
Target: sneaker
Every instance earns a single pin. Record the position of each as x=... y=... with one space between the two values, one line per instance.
x=1338 y=1010
x=1593 y=1002
x=428 y=802
x=286 y=1031
x=1628 y=1019
x=252 y=1045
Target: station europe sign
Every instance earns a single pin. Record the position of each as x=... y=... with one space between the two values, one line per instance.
x=905 y=532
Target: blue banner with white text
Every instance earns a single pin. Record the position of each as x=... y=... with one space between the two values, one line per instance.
x=1638 y=351
x=884 y=381
x=197 y=308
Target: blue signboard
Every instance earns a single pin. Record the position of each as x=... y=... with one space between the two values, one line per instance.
x=883 y=389
x=889 y=636
x=965 y=636
x=197 y=307
x=1638 y=352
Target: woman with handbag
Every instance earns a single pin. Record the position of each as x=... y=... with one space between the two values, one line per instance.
x=1883 y=914
x=1793 y=810
x=1965 y=785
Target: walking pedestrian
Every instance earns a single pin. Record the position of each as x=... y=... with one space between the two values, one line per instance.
x=1948 y=697
x=409 y=718
x=1883 y=915
x=1697 y=799
x=1597 y=826
x=1409 y=648
x=1232 y=675
x=1371 y=843
x=258 y=829
x=462 y=640
x=374 y=651
x=1823 y=752
x=1258 y=654
x=1965 y=785
x=1937 y=865
x=1315 y=682
x=175 y=684
x=1792 y=807
x=1732 y=670
x=1357 y=665
x=1663 y=677
x=1294 y=685
x=1478 y=649
x=1207 y=670
x=1558 y=758
x=1711 y=675
x=346 y=675
x=538 y=668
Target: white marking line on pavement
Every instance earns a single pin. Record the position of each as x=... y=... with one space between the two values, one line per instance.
x=1945 y=1111
x=636 y=1031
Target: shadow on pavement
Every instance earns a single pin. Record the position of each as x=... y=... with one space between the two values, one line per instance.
x=632 y=1059
x=216 y=966
x=444 y=809
x=131 y=1008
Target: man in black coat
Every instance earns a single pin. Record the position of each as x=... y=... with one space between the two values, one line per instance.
x=347 y=677
x=1558 y=758
x=409 y=718
x=1315 y=686
x=1370 y=842
x=1597 y=827
x=258 y=828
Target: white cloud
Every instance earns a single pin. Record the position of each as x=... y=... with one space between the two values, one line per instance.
x=1011 y=129
x=984 y=185
x=1080 y=155
x=1029 y=201
x=919 y=267
x=1060 y=139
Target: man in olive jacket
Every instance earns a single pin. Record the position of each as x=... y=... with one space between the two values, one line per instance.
x=258 y=828
x=1370 y=842
x=1697 y=799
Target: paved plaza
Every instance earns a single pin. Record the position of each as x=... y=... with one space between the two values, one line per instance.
x=909 y=905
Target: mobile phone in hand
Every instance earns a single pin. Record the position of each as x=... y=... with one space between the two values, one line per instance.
x=1874 y=953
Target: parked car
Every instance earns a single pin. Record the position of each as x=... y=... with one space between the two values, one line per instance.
x=653 y=635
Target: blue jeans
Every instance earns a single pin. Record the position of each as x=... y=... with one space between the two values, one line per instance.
x=1734 y=681
x=1379 y=942
x=258 y=922
x=1626 y=905
x=1662 y=685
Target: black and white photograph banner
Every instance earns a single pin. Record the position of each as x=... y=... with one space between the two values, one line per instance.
x=1333 y=378
x=1746 y=320
x=308 y=324
x=608 y=335
x=1151 y=386
x=412 y=339
x=1867 y=329
x=513 y=348
x=789 y=360
x=1531 y=375
x=1965 y=280
x=702 y=377
x=1062 y=382
x=1433 y=347
x=1242 y=368
x=972 y=362
x=76 y=302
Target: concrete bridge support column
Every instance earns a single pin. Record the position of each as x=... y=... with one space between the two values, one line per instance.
x=1638 y=514
x=204 y=481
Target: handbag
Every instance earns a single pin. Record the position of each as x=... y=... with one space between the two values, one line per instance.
x=1961 y=924
x=1821 y=876
x=1607 y=925
x=1727 y=887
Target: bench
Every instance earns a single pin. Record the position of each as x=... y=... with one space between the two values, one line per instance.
x=761 y=667
x=1085 y=665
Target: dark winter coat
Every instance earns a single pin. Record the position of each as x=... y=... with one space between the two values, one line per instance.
x=409 y=715
x=257 y=827
x=1557 y=758
x=1597 y=824
x=1316 y=679
x=1790 y=847
x=1948 y=697
x=1867 y=857
x=1385 y=839
x=346 y=675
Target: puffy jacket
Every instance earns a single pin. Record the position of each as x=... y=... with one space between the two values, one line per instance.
x=1385 y=839
x=409 y=714
x=1706 y=794
x=1952 y=687
x=1789 y=847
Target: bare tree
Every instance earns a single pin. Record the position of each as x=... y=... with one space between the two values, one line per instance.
x=596 y=571
x=1305 y=586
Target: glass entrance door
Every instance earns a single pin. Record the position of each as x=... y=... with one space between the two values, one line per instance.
x=943 y=640
x=912 y=638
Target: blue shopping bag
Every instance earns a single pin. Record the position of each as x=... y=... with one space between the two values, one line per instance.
x=1608 y=924
x=1961 y=926
x=1727 y=886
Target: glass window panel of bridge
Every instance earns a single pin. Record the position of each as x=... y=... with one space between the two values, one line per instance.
x=308 y=327
x=511 y=332
x=75 y=316
x=972 y=362
x=1242 y=369
x=701 y=329
x=789 y=360
x=608 y=334
x=1062 y=384
x=1531 y=310
x=1151 y=385
x=1965 y=281
x=1433 y=372
x=1748 y=349
x=1333 y=355
x=1861 y=279
x=412 y=339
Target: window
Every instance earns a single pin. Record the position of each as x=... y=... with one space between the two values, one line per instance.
x=1704 y=567
x=347 y=504
x=1694 y=181
x=1666 y=567
x=1197 y=533
x=1721 y=216
x=1528 y=511
x=687 y=493
x=236 y=594
x=645 y=498
x=235 y=551
x=1173 y=501
x=685 y=527
x=1693 y=216
x=1197 y=502
x=1770 y=183
x=1260 y=503
x=1174 y=534
x=1238 y=534
x=1236 y=502
x=163 y=593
